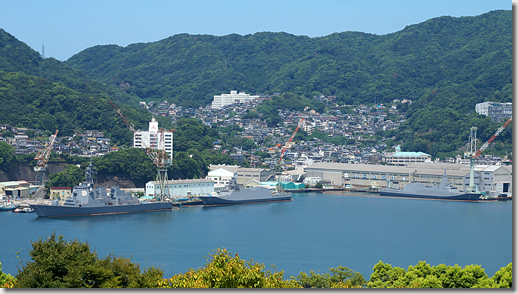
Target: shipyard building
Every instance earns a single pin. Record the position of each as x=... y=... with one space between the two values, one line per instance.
x=183 y=188
x=493 y=180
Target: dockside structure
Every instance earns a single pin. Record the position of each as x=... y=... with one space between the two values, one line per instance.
x=490 y=179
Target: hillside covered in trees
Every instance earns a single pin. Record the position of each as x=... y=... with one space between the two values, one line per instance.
x=444 y=66
x=467 y=58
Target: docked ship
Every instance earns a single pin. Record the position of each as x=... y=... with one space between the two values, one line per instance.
x=87 y=200
x=443 y=191
x=240 y=196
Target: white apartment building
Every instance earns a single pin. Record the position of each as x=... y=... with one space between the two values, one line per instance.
x=154 y=138
x=226 y=99
x=497 y=111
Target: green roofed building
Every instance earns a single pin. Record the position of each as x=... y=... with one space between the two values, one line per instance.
x=286 y=185
x=403 y=158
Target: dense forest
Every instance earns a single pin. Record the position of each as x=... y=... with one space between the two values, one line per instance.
x=444 y=65
x=469 y=57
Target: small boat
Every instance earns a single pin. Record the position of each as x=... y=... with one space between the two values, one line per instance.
x=8 y=206
x=24 y=209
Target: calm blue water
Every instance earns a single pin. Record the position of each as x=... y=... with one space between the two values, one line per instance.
x=313 y=232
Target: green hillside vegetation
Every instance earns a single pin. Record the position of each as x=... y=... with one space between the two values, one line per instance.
x=444 y=65
x=472 y=53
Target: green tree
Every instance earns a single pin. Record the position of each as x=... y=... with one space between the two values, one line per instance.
x=227 y=271
x=341 y=277
x=6 y=156
x=56 y=263
x=6 y=280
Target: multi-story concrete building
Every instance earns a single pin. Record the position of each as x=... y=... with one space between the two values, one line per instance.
x=227 y=99
x=496 y=111
x=403 y=158
x=154 y=138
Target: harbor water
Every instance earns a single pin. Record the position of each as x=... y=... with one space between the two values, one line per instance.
x=315 y=231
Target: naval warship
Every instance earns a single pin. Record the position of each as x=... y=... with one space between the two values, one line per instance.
x=443 y=191
x=235 y=195
x=87 y=200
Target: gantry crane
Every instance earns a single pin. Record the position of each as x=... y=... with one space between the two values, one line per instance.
x=42 y=158
x=473 y=155
x=155 y=151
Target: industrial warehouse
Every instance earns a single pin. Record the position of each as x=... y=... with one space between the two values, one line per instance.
x=492 y=180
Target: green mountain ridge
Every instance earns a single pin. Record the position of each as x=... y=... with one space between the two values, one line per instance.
x=354 y=66
x=444 y=65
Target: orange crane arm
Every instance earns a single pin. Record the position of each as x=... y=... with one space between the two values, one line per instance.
x=500 y=130
x=284 y=148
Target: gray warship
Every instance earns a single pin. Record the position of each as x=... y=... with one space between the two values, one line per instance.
x=235 y=195
x=87 y=200
x=443 y=191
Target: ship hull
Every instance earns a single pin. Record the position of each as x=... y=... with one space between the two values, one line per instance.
x=401 y=193
x=244 y=196
x=64 y=211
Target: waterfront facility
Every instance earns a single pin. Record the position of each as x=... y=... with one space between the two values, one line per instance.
x=492 y=180
x=188 y=187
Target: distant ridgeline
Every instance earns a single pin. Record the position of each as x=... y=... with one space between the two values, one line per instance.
x=466 y=59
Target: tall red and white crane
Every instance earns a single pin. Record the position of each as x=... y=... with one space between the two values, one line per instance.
x=155 y=151
x=473 y=155
x=42 y=158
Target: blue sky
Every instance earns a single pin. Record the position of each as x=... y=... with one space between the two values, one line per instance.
x=67 y=27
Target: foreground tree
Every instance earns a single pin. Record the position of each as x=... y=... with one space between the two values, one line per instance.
x=341 y=277
x=226 y=271
x=57 y=263
x=441 y=276
x=6 y=280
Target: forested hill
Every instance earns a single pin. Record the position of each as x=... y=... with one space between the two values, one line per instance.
x=48 y=94
x=468 y=58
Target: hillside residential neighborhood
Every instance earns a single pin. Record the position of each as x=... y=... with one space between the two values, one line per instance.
x=360 y=125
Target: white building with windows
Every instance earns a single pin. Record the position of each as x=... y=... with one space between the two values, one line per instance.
x=226 y=99
x=182 y=188
x=154 y=138
x=496 y=111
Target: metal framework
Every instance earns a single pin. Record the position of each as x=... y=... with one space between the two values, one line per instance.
x=473 y=155
x=155 y=151
x=43 y=158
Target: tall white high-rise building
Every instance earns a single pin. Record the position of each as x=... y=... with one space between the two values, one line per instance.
x=227 y=99
x=154 y=138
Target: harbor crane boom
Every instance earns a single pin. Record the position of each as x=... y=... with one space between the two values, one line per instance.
x=285 y=147
x=500 y=130
x=43 y=158
x=473 y=155
x=155 y=151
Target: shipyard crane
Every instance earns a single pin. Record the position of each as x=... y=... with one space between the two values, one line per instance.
x=42 y=158
x=473 y=155
x=155 y=151
x=286 y=146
